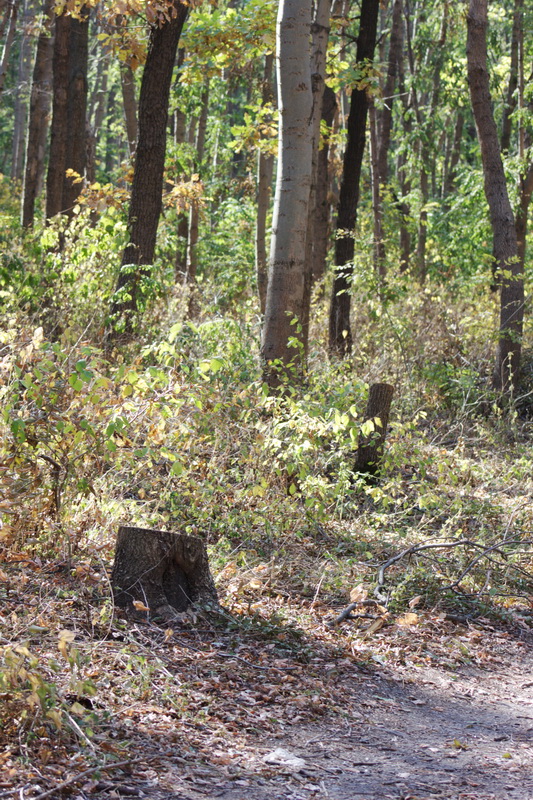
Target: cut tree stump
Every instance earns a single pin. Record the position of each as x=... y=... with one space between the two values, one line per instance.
x=165 y=572
x=370 y=445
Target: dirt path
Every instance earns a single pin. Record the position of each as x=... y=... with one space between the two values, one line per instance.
x=407 y=733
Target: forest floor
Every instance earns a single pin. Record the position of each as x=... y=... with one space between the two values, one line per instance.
x=278 y=704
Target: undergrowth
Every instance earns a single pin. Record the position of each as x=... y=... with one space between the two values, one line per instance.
x=178 y=432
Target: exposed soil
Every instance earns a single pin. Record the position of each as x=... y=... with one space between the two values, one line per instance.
x=407 y=732
x=277 y=705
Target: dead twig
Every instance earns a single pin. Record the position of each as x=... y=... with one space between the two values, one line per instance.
x=81 y=775
x=418 y=548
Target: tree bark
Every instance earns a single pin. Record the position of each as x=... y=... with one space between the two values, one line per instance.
x=76 y=148
x=22 y=94
x=127 y=83
x=321 y=231
x=57 y=159
x=449 y=175
x=40 y=103
x=163 y=572
x=505 y=249
x=371 y=445
x=319 y=45
x=265 y=169
x=340 y=334
x=147 y=188
x=11 y=15
x=510 y=99
x=194 y=214
x=403 y=176
x=377 y=208
x=385 y=118
x=284 y=314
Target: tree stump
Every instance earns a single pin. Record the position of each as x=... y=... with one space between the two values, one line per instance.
x=166 y=572
x=371 y=444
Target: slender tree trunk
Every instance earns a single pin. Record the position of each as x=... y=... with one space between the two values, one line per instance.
x=385 y=118
x=286 y=279
x=403 y=206
x=76 y=149
x=11 y=15
x=371 y=445
x=127 y=82
x=319 y=45
x=449 y=175
x=146 y=194
x=510 y=99
x=22 y=94
x=57 y=161
x=111 y=159
x=68 y=145
x=265 y=168
x=96 y=113
x=194 y=214
x=40 y=103
x=377 y=207
x=340 y=335
x=323 y=185
x=505 y=248
x=526 y=191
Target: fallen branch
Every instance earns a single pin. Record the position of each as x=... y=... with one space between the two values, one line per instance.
x=418 y=548
x=81 y=775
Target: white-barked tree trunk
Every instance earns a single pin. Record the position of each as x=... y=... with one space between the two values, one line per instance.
x=281 y=342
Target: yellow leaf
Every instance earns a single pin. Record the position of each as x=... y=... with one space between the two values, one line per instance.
x=407 y=619
x=139 y=605
x=67 y=636
x=169 y=633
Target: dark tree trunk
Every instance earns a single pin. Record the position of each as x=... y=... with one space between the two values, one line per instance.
x=147 y=188
x=161 y=573
x=40 y=102
x=502 y=219
x=76 y=149
x=340 y=335
x=68 y=144
x=57 y=160
x=370 y=446
x=510 y=100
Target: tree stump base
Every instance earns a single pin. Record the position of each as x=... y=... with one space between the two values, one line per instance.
x=161 y=573
x=371 y=445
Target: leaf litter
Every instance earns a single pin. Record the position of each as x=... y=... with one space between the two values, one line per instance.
x=277 y=703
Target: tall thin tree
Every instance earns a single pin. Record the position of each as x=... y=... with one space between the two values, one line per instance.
x=340 y=334
x=505 y=249
x=147 y=188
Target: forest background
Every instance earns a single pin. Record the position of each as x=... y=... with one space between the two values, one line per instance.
x=166 y=382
